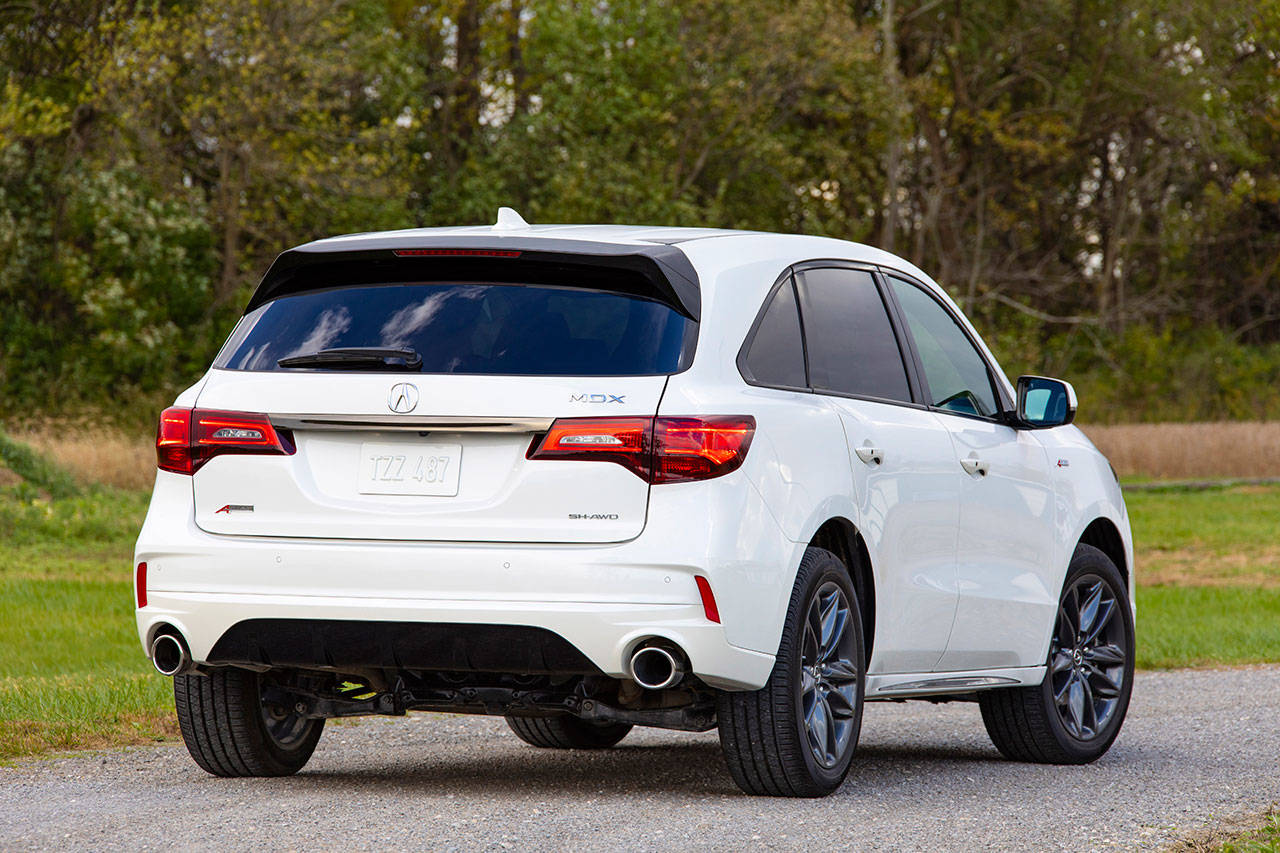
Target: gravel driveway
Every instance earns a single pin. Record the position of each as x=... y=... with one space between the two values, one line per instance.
x=1198 y=747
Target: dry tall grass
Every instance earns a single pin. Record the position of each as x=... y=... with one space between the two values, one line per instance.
x=1191 y=451
x=108 y=457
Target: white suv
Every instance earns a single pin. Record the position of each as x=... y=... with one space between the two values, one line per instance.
x=593 y=477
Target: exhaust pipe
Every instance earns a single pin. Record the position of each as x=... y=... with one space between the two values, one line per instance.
x=169 y=655
x=657 y=667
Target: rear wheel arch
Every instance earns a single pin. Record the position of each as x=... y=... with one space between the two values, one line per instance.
x=839 y=536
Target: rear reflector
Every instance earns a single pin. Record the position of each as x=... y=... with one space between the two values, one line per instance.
x=708 y=599
x=187 y=438
x=658 y=450
x=140 y=584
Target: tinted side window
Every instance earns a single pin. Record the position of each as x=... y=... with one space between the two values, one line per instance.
x=852 y=348
x=954 y=370
x=776 y=354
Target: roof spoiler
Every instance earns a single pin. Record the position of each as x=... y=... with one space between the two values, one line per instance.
x=657 y=271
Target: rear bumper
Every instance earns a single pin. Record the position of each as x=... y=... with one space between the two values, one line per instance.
x=603 y=600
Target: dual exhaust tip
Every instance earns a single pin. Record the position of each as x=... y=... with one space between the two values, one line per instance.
x=169 y=655
x=657 y=665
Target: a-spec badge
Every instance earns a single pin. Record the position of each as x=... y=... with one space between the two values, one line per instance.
x=403 y=398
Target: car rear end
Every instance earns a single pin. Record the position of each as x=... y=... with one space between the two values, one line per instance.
x=417 y=465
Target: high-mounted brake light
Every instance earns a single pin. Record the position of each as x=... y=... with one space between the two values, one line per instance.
x=187 y=438
x=466 y=253
x=658 y=450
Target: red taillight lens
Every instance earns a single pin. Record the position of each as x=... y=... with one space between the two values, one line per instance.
x=626 y=441
x=173 y=441
x=658 y=450
x=699 y=448
x=187 y=439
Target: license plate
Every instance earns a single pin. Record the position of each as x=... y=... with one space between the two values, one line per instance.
x=409 y=469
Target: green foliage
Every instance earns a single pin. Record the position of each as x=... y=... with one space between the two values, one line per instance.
x=36 y=471
x=1097 y=183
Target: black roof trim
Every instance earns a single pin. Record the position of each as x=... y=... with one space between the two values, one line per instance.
x=665 y=267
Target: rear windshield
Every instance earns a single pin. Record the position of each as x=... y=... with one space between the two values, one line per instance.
x=475 y=328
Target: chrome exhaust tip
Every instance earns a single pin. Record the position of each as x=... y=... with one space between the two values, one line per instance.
x=656 y=667
x=169 y=655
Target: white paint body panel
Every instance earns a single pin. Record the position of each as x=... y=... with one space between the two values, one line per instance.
x=965 y=573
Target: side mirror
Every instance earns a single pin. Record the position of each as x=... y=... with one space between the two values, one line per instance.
x=1045 y=402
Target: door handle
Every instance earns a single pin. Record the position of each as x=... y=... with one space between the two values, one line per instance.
x=868 y=454
x=975 y=466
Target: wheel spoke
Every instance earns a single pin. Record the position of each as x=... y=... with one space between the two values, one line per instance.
x=1066 y=628
x=1090 y=709
x=830 y=623
x=840 y=672
x=1061 y=662
x=833 y=738
x=1089 y=609
x=816 y=727
x=840 y=705
x=1107 y=655
x=837 y=633
x=1102 y=684
x=1075 y=705
x=813 y=633
x=1106 y=611
x=807 y=682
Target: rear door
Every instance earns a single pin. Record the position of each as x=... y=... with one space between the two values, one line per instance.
x=438 y=452
x=908 y=488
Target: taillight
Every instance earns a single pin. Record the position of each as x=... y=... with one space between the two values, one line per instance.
x=699 y=448
x=658 y=450
x=626 y=441
x=187 y=438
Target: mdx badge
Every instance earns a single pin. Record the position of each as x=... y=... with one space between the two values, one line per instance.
x=597 y=398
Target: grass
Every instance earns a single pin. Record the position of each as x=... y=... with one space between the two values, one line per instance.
x=72 y=673
x=1265 y=839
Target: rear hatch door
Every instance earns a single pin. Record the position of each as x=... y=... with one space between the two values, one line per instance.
x=438 y=451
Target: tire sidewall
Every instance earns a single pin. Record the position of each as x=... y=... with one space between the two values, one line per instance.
x=1085 y=562
x=824 y=567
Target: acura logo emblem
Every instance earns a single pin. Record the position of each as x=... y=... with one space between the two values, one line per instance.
x=403 y=398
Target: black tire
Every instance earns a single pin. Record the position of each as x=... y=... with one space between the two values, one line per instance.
x=228 y=731
x=1026 y=723
x=566 y=732
x=763 y=733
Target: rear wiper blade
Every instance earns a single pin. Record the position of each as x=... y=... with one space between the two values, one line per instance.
x=367 y=358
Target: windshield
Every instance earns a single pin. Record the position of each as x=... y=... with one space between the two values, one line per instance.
x=470 y=328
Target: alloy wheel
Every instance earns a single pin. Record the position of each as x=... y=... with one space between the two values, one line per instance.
x=829 y=675
x=1087 y=657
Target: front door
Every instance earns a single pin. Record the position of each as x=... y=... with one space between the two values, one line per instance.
x=1007 y=511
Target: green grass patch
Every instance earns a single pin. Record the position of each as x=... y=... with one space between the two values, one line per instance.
x=72 y=673
x=1203 y=626
x=1223 y=520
